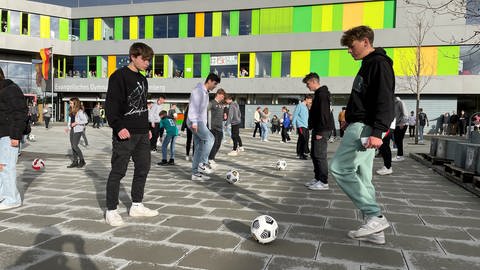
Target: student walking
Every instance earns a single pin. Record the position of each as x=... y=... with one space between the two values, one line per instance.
x=257 y=121
x=422 y=121
x=412 y=121
x=321 y=123
x=275 y=124
x=215 y=123
x=13 y=113
x=286 y=123
x=168 y=123
x=370 y=111
x=76 y=125
x=400 y=127
x=127 y=113
x=386 y=152
x=264 y=119
x=197 y=122
x=234 y=119
x=47 y=115
x=96 y=116
x=154 y=120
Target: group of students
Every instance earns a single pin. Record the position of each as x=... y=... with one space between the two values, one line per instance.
x=370 y=111
x=281 y=125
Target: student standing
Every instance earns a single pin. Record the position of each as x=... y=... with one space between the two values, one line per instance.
x=370 y=111
x=215 y=123
x=76 y=125
x=127 y=113
x=234 y=119
x=300 y=123
x=168 y=123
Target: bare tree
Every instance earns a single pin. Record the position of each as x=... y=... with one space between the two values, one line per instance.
x=418 y=72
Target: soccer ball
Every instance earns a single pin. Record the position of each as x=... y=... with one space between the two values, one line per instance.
x=31 y=137
x=232 y=176
x=264 y=229
x=38 y=164
x=281 y=165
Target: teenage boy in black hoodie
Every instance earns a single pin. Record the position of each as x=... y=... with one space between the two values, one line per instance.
x=370 y=111
x=320 y=122
x=127 y=113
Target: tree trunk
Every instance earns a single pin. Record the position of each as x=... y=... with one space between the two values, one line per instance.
x=417 y=121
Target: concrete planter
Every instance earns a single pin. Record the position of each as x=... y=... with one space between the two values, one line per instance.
x=475 y=137
x=472 y=158
x=451 y=149
x=433 y=146
x=460 y=155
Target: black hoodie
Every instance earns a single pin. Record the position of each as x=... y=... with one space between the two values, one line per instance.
x=372 y=98
x=319 y=117
x=13 y=110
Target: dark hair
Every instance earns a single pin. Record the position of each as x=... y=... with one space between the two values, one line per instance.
x=344 y=108
x=357 y=33
x=229 y=97
x=220 y=92
x=309 y=76
x=163 y=112
x=161 y=97
x=212 y=77
x=308 y=97
x=139 y=48
x=2 y=76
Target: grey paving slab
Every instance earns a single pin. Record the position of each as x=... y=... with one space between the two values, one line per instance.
x=363 y=255
x=282 y=263
x=215 y=259
x=425 y=261
x=207 y=225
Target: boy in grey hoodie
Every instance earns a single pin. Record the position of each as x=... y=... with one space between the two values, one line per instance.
x=235 y=119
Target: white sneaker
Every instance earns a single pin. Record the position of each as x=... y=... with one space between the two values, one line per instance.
x=398 y=158
x=384 y=171
x=113 y=218
x=265 y=140
x=373 y=225
x=199 y=177
x=212 y=164
x=331 y=140
x=318 y=186
x=204 y=169
x=311 y=182
x=187 y=158
x=9 y=206
x=376 y=238
x=282 y=142
x=241 y=149
x=233 y=153
x=140 y=210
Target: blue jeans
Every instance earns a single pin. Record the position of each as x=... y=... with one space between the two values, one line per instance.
x=168 y=139
x=203 y=140
x=264 y=127
x=8 y=176
x=420 y=132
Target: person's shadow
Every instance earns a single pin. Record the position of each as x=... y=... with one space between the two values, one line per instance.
x=58 y=261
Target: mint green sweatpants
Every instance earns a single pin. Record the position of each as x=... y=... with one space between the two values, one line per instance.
x=352 y=167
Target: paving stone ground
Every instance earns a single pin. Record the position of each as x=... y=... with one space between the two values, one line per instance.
x=205 y=225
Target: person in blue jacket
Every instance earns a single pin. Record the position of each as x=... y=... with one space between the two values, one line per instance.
x=168 y=123
x=286 y=123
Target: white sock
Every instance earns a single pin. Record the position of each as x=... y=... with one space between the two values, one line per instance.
x=136 y=203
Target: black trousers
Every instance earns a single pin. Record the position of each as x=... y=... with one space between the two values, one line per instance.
x=398 y=136
x=237 y=141
x=96 y=121
x=218 y=135
x=138 y=148
x=302 y=142
x=47 y=121
x=385 y=150
x=188 y=145
x=411 y=131
x=257 y=126
x=319 y=156
x=74 y=141
x=154 y=139
x=285 y=136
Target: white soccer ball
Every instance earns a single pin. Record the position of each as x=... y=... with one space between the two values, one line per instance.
x=264 y=229
x=31 y=137
x=232 y=176
x=281 y=165
x=38 y=164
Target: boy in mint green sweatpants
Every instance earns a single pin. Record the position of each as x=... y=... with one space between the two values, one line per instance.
x=370 y=111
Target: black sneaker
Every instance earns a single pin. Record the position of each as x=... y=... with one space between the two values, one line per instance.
x=73 y=165
x=163 y=163
x=171 y=162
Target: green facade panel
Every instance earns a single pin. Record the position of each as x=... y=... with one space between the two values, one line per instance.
x=83 y=29
x=276 y=20
x=205 y=64
x=316 y=19
x=217 y=24
x=148 y=27
x=349 y=67
x=255 y=22
x=188 y=72
x=183 y=25
x=302 y=19
x=337 y=24
x=319 y=62
x=234 y=22
x=63 y=28
x=99 y=67
x=276 y=64
x=118 y=28
x=389 y=17
x=448 y=57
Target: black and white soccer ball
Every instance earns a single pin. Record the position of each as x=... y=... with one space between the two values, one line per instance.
x=31 y=137
x=281 y=165
x=264 y=229
x=232 y=176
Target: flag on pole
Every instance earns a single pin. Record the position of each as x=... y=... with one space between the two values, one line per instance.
x=45 y=54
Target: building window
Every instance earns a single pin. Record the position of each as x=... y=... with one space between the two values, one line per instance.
x=122 y=60
x=34 y=25
x=244 y=65
x=159 y=67
x=172 y=21
x=224 y=65
x=472 y=12
x=263 y=67
x=24 y=23
x=126 y=28
x=108 y=27
x=54 y=28
x=15 y=22
x=178 y=63
x=141 y=27
x=160 y=26
x=75 y=30
x=208 y=24
x=92 y=67
x=469 y=60
x=245 y=22
x=4 y=21
x=285 y=64
x=225 y=23
x=80 y=66
x=191 y=24
x=197 y=65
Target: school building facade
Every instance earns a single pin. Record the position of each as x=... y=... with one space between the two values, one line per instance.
x=260 y=48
